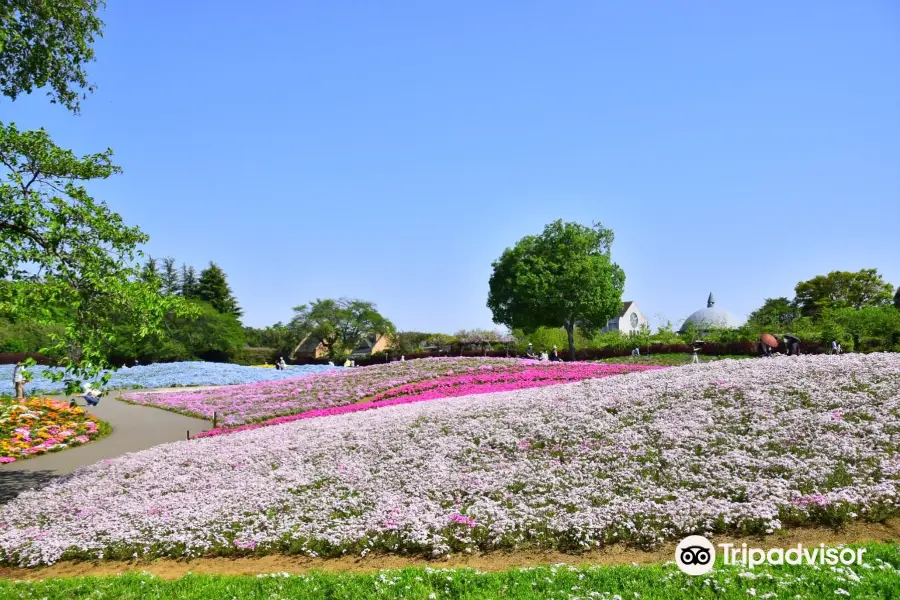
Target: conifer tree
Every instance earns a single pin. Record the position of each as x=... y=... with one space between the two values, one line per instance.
x=212 y=287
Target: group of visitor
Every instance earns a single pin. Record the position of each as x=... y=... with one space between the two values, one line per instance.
x=280 y=365
x=552 y=356
x=791 y=344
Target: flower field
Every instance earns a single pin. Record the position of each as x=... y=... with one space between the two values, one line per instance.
x=163 y=375
x=332 y=393
x=748 y=446
x=486 y=379
x=39 y=425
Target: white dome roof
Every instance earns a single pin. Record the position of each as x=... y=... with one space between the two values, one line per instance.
x=711 y=317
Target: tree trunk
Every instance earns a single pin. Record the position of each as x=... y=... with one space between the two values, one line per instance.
x=570 y=330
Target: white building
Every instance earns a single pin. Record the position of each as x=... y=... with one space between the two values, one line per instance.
x=630 y=320
x=710 y=318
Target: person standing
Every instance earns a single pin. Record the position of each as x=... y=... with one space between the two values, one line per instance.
x=19 y=380
x=834 y=347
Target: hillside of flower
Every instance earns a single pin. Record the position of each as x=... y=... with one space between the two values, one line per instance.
x=163 y=375
x=750 y=446
x=332 y=393
x=39 y=425
x=485 y=380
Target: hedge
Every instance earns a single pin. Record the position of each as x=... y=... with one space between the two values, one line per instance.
x=710 y=349
x=11 y=358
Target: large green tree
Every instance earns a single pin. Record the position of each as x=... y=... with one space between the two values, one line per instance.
x=204 y=334
x=897 y=299
x=561 y=278
x=339 y=325
x=280 y=337
x=48 y=43
x=171 y=283
x=213 y=288
x=79 y=254
x=842 y=289
x=877 y=323
x=775 y=313
x=188 y=287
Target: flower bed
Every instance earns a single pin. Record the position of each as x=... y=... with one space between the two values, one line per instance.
x=163 y=375
x=515 y=377
x=239 y=405
x=746 y=446
x=256 y=402
x=39 y=425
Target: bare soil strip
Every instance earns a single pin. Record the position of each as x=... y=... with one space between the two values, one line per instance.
x=494 y=561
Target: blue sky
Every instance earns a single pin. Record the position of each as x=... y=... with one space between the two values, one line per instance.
x=392 y=152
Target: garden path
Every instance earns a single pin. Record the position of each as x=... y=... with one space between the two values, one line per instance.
x=134 y=428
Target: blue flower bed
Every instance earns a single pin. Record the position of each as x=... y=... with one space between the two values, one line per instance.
x=165 y=375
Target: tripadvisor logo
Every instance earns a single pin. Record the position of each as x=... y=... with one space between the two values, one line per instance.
x=696 y=555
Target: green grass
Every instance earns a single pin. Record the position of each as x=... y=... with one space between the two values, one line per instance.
x=667 y=360
x=879 y=578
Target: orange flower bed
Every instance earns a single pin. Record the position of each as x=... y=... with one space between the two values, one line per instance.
x=38 y=425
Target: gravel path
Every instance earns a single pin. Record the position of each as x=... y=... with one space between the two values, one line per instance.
x=134 y=428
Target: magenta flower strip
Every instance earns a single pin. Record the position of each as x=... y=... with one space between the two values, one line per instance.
x=455 y=386
x=243 y=404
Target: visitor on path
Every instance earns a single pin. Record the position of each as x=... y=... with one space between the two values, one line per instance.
x=834 y=347
x=529 y=353
x=90 y=395
x=19 y=379
x=696 y=358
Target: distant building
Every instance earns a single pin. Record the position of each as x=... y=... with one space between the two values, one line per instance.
x=311 y=348
x=710 y=318
x=630 y=320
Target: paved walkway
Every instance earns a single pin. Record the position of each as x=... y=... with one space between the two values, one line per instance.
x=134 y=428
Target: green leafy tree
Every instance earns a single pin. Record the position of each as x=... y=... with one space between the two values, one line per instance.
x=775 y=313
x=561 y=278
x=339 y=325
x=842 y=289
x=897 y=299
x=213 y=288
x=879 y=322
x=409 y=342
x=188 y=281
x=78 y=254
x=169 y=277
x=47 y=43
x=204 y=334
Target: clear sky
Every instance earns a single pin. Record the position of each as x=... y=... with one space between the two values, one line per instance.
x=391 y=150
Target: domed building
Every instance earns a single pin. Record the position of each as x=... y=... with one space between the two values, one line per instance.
x=710 y=318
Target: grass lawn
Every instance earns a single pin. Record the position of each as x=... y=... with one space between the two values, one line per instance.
x=667 y=360
x=879 y=577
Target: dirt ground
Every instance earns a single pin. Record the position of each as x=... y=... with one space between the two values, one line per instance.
x=494 y=561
